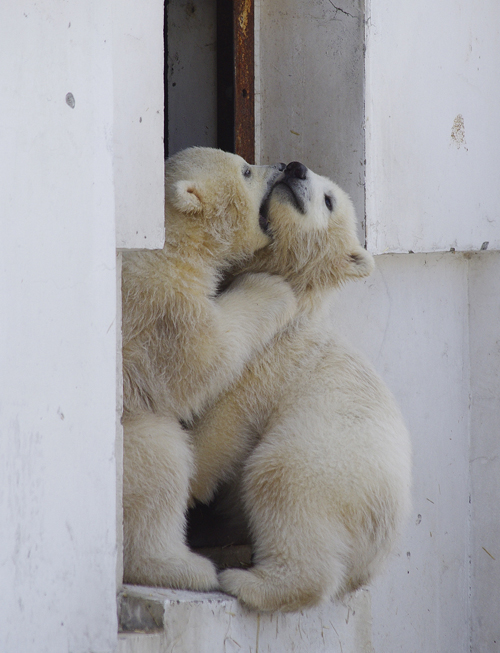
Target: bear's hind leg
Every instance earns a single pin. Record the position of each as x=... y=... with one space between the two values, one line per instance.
x=286 y=583
x=301 y=551
x=158 y=463
x=268 y=588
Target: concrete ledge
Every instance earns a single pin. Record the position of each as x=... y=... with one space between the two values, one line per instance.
x=156 y=620
x=141 y=643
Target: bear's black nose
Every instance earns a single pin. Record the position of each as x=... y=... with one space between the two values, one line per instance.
x=296 y=169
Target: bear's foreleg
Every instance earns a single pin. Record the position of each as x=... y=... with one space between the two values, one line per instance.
x=158 y=463
x=252 y=311
x=221 y=439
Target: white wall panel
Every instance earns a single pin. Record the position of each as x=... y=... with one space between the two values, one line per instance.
x=484 y=293
x=137 y=139
x=57 y=329
x=432 y=137
x=310 y=89
x=411 y=319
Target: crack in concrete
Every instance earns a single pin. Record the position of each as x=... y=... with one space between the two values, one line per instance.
x=337 y=9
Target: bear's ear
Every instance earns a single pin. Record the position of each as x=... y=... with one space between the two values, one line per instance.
x=360 y=263
x=188 y=197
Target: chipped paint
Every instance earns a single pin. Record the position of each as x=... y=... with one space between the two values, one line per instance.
x=458 y=132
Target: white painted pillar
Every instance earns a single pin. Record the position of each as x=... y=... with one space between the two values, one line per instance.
x=57 y=329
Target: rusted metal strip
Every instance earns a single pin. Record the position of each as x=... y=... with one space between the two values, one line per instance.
x=244 y=76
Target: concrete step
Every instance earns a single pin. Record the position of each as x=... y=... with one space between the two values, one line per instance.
x=156 y=620
x=141 y=643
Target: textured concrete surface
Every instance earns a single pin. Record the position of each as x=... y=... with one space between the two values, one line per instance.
x=192 y=622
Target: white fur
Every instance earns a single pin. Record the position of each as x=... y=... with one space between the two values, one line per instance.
x=310 y=434
x=182 y=347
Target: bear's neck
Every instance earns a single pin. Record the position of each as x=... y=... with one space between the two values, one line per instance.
x=313 y=280
x=309 y=300
x=196 y=261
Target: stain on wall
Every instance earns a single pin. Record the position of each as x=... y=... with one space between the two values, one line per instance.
x=458 y=132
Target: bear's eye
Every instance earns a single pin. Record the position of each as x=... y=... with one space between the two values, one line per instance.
x=328 y=202
x=247 y=172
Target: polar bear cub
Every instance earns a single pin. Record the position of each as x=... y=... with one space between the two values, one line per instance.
x=182 y=346
x=317 y=444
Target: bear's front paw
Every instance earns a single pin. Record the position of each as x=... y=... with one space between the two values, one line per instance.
x=181 y=570
x=199 y=574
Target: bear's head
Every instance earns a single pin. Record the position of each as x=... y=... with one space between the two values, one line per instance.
x=216 y=199
x=312 y=223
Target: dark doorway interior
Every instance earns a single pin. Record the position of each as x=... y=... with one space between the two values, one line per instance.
x=209 y=75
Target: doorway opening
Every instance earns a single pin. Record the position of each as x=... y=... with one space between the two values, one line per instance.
x=209 y=75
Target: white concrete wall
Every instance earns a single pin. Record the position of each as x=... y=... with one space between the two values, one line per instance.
x=432 y=174
x=411 y=319
x=484 y=302
x=57 y=326
x=138 y=152
x=432 y=137
x=82 y=172
x=430 y=323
